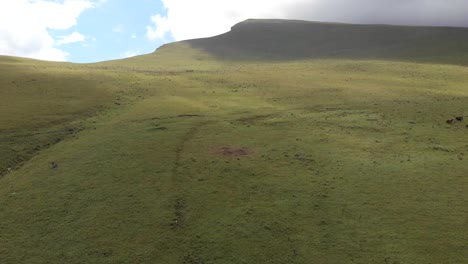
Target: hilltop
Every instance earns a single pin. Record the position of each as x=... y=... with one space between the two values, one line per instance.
x=257 y=39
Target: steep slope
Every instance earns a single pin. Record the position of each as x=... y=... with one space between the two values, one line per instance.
x=288 y=39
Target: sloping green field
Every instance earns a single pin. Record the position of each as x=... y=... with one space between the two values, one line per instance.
x=179 y=157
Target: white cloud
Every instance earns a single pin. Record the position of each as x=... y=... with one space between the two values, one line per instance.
x=72 y=38
x=187 y=19
x=24 y=26
x=160 y=29
x=133 y=36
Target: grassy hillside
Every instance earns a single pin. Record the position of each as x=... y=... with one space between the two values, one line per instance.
x=45 y=102
x=40 y=102
x=256 y=39
x=180 y=157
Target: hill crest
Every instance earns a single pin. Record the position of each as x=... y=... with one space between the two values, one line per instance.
x=276 y=39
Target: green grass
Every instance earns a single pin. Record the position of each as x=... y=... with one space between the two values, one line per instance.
x=348 y=161
x=43 y=103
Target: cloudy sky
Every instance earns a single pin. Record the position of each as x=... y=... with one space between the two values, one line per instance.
x=96 y=30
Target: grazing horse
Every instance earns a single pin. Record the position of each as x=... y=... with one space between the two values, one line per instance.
x=450 y=121
x=459 y=118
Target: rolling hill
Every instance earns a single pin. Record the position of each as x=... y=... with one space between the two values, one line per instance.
x=277 y=142
x=256 y=39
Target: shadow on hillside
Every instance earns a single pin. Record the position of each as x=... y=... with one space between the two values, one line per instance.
x=291 y=40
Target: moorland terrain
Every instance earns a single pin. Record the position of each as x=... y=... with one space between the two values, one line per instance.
x=277 y=142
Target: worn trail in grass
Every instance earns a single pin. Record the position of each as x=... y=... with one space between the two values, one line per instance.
x=327 y=161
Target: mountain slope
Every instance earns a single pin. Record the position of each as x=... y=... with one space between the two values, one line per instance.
x=287 y=40
x=180 y=157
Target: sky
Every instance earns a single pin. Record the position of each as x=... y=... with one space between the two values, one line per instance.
x=98 y=30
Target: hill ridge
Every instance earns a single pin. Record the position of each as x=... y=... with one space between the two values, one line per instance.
x=275 y=20
x=276 y=39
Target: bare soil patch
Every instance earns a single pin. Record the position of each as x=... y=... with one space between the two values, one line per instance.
x=233 y=151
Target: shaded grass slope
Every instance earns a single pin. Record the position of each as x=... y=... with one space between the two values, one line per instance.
x=257 y=39
x=44 y=102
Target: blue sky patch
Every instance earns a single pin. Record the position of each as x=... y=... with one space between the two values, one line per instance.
x=112 y=30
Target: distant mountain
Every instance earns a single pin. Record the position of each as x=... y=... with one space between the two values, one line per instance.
x=257 y=39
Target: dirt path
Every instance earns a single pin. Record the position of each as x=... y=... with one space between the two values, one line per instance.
x=178 y=221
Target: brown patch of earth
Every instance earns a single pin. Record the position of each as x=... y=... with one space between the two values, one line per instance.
x=233 y=152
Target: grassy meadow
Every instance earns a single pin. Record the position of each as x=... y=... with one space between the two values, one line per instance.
x=179 y=157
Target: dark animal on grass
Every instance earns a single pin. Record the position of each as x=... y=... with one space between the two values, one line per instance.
x=53 y=165
x=450 y=121
x=459 y=118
